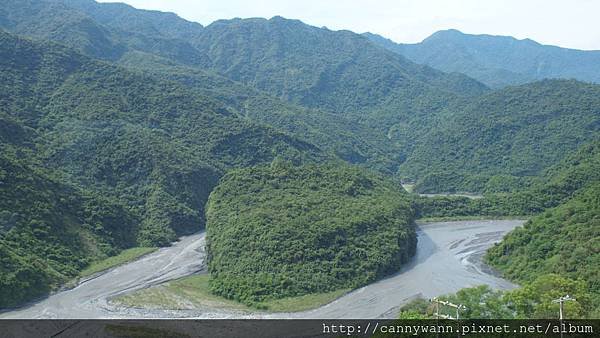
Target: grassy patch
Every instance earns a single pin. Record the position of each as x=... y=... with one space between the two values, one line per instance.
x=124 y=257
x=408 y=187
x=193 y=292
x=185 y=293
x=468 y=218
x=301 y=303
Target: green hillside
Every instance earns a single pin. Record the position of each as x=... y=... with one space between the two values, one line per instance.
x=49 y=230
x=497 y=61
x=557 y=185
x=337 y=90
x=122 y=128
x=563 y=240
x=139 y=39
x=78 y=135
x=506 y=137
x=284 y=231
x=334 y=70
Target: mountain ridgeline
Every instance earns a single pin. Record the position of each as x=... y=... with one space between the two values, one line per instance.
x=95 y=158
x=497 y=61
x=335 y=89
x=122 y=127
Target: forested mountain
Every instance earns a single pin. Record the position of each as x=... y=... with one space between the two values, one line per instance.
x=556 y=248
x=497 y=61
x=117 y=124
x=335 y=89
x=565 y=238
x=136 y=37
x=335 y=70
x=279 y=231
x=501 y=138
x=555 y=186
x=562 y=240
x=65 y=21
x=48 y=229
x=100 y=131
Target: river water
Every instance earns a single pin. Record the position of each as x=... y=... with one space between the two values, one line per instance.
x=449 y=257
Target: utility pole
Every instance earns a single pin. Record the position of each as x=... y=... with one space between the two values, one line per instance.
x=439 y=302
x=561 y=302
x=439 y=315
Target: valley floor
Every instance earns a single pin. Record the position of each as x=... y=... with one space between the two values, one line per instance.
x=449 y=257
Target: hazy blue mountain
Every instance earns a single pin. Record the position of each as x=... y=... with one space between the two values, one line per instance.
x=68 y=22
x=335 y=70
x=153 y=42
x=497 y=61
x=129 y=19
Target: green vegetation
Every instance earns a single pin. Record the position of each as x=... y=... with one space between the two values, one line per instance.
x=557 y=185
x=501 y=140
x=116 y=138
x=185 y=293
x=193 y=292
x=497 y=61
x=49 y=231
x=337 y=90
x=125 y=256
x=302 y=303
x=96 y=159
x=563 y=240
x=532 y=300
x=285 y=231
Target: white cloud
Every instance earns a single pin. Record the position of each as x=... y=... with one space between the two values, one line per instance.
x=571 y=24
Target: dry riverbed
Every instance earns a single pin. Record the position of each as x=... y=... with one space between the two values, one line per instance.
x=449 y=257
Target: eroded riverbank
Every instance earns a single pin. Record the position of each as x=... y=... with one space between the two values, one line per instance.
x=449 y=257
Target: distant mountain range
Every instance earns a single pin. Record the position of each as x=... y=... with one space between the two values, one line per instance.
x=116 y=124
x=497 y=61
x=340 y=91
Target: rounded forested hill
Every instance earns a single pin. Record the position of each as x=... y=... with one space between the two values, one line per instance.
x=277 y=231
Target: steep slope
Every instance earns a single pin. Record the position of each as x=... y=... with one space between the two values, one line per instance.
x=65 y=21
x=562 y=240
x=315 y=67
x=516 y=132
x=555 y=186
x=125 y=18
x=350 y=140
x=117 y=130
x=284 y=231
x=48 y=230
x=160 y=44
x=498 y=61
x=79 y=135
x=370 y=106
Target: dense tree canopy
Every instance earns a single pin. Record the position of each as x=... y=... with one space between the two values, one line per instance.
x=280 y=230
x=562 y=240
x=532 y=300
x=96 y=159
x=118 y=136
x=498 y=61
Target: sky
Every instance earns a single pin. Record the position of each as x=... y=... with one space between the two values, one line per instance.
x=565 y=23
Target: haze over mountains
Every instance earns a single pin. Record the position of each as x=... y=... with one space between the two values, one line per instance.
x=134 y=116
x=497 y=61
